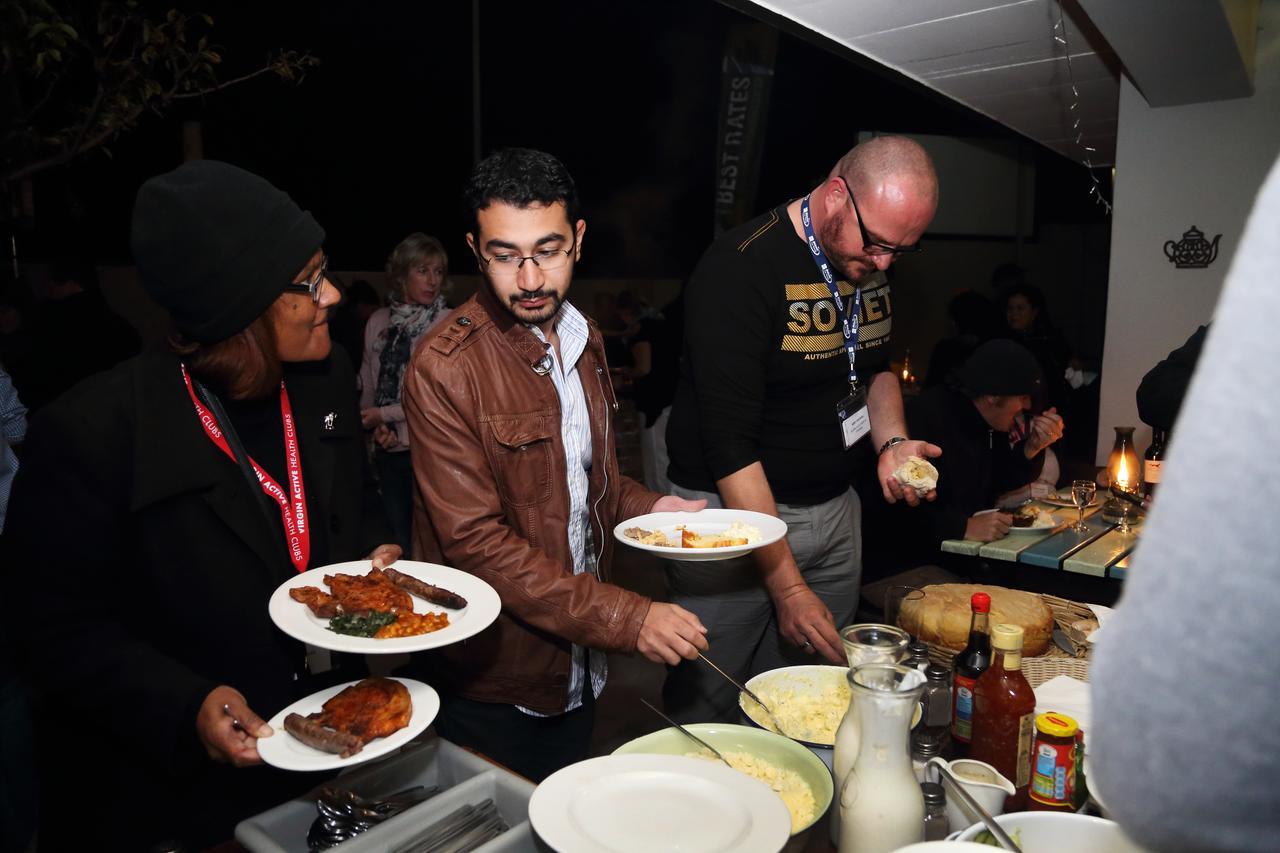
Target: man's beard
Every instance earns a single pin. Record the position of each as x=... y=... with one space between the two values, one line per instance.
x=525 y=315
x=853 y=268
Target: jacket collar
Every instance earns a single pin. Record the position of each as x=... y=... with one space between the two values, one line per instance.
x=522 y=340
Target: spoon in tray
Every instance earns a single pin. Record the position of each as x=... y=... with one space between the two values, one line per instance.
x=687 y=733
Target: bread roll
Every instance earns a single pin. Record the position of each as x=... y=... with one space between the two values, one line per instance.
x=942 y=616
x=918 y=473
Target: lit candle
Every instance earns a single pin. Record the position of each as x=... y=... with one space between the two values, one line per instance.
x=1122 y=474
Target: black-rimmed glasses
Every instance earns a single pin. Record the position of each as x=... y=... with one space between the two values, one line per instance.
x=870 y=246
x=508 y=263
x=313 y=285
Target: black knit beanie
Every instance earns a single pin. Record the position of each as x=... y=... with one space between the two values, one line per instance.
x=1001 y=367
x=215 y=246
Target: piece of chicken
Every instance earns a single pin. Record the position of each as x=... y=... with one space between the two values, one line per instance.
x=322 y=604
x=374 y=707
x=362 y=594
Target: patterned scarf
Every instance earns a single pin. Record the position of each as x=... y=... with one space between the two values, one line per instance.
x=408 y=320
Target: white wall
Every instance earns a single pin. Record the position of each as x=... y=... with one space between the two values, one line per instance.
x=1200 y=165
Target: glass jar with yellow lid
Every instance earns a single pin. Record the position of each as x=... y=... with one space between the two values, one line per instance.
x=1053 y=763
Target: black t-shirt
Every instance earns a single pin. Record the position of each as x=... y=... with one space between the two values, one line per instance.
x=764 y=365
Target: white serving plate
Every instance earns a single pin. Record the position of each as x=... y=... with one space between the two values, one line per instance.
x=285 y=751
x=703 y=522
x=646 y=803
x=297 y=620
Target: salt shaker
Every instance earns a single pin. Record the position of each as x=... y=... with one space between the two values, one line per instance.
x=936 y=825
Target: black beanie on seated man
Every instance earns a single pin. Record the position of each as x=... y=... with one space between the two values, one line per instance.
x=1003 y=368
x=215 y=246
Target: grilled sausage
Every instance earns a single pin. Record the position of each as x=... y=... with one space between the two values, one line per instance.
x=318 y=737
x=422 y=589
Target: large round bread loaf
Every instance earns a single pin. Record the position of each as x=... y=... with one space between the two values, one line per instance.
x=942 y=616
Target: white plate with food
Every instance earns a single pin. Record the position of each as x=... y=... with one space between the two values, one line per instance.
x=1030 y=518
x=641 y=803
x=1062 y=497
x=712 y=534
x=370 y=718
x=414 y=606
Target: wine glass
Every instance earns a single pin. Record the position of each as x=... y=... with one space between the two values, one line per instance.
x=894 y=598
x=1082 y=492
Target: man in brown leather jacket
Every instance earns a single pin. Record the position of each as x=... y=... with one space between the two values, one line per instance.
x=509 y=407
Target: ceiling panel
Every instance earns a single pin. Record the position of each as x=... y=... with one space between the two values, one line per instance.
x=1001 y=57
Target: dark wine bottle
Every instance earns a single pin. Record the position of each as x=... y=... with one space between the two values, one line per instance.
x=968 y=666
x=1152 y=460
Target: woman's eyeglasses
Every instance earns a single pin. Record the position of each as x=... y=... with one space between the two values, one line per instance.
x=313 y=285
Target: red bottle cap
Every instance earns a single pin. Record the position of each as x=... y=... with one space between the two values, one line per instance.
x=981 y=602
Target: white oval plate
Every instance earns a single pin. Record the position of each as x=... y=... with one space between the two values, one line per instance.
x=297 y=620
x=1062 y=497
x=285 y=751
x=1013 y=529
x=707 y=521
x=645 y=803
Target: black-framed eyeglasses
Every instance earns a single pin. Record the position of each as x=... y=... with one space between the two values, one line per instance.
x=509 y=263
x=870 y=246
x=313 y=285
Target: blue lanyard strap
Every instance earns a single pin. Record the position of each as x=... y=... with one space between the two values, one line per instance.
x=848 y=323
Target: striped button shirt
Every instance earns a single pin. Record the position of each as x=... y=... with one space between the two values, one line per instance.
x=575 y=433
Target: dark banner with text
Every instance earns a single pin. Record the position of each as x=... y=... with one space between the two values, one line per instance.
x=746 y=77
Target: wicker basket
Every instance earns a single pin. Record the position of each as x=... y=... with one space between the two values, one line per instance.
x=1065 y=612
x=1041 y=669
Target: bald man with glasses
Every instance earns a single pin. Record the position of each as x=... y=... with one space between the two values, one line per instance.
x=785 y=391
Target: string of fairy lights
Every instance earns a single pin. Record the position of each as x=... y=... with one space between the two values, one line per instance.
x=1086 y=151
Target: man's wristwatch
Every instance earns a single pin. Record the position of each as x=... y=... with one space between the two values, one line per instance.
x=897 y=439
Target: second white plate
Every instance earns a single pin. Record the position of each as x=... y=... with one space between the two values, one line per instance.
x=297 y=620
x=710 y=521
x=642 y=803
x=285 y=751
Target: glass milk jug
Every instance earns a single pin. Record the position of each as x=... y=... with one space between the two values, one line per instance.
x=881 y=806
x=864 y=643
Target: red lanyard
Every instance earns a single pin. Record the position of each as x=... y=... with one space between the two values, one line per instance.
x=293 y=507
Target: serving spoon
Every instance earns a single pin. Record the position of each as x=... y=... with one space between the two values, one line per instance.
x=687 y=733
x=777 y=725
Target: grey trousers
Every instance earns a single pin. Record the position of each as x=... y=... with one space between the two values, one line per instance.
x=742 y=627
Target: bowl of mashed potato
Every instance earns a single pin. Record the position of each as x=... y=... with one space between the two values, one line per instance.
x=793 y=772
x=809 y=701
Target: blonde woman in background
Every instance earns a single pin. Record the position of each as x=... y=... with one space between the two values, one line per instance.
x=416 y=269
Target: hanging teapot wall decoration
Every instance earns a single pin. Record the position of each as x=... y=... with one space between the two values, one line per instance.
x=1193 y=251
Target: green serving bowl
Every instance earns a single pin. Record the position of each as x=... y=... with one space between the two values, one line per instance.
x=767 y=746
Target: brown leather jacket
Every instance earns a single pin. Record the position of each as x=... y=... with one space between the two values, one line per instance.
x=492 y=499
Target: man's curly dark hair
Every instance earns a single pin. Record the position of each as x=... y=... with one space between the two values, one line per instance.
x=519 y=177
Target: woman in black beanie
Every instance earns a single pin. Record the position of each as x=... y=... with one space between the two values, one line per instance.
x=144 y=537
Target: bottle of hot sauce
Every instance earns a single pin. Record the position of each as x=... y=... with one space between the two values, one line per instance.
x=968 y=666
x=1004 y=711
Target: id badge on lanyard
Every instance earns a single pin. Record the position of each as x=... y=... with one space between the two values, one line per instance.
x=851 y=412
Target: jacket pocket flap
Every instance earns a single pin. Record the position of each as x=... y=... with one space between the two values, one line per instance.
x=515 y=434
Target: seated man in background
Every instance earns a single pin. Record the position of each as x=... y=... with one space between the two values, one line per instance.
x=972 y=418
x=1162 y=389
